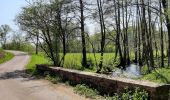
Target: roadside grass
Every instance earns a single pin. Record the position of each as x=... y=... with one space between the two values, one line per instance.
x=161 y=75
x=92 y=93
x=86 y=91
x=81 y=89
x=6 y=56
x=36 y=59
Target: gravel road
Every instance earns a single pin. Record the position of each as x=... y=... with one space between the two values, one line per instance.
x=15 y=84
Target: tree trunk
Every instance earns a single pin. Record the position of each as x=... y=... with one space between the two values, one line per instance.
x=165 y=7
x=37 y=39
x=103 y=32
x=161 y=38
x=84 y=60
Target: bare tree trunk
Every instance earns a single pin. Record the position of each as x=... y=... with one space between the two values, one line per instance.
x=37 y=42
x=84 y=61
x=161 y=34
x=143 y=31
x=149 y=38
x=139 y=35
x=103 y=33
x=126 y=35
x=165 y=7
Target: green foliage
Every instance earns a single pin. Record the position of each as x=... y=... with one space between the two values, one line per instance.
x=6 y=56
x=83 y=89
x=4 y=30
x=109 y=66
x=161 y=75
x=36 y=59
x=20 y=47
x=137 y=94
x=89 y=92
x=144 y=70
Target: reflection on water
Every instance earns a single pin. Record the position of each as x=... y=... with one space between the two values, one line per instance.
x=131 y=71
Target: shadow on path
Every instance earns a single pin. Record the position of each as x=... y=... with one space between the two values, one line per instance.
x=16 y=74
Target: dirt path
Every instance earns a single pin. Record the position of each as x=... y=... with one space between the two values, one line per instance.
x=16 y=85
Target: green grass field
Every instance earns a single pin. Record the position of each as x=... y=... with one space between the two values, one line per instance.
x=6 y=56
x=73 y=60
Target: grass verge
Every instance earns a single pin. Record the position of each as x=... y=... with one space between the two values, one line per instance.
x=5 y=56
x=92 y=93
x=36 y=59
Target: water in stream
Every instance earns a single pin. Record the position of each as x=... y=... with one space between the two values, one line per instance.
x=131 y=71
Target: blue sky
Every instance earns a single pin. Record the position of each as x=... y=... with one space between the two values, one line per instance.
x=8 y=10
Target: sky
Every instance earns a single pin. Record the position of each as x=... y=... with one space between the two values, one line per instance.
x=9 y=10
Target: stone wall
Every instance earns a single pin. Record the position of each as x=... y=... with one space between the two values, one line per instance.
x=108 y=84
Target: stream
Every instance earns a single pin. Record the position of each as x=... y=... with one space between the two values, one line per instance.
x=131 y=71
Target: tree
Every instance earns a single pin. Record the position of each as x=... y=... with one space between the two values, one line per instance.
x=38 y=16
x=4 y=30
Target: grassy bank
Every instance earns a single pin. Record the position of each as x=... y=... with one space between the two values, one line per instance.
x=5 y=56
x=36 y=59
x=161 y=75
